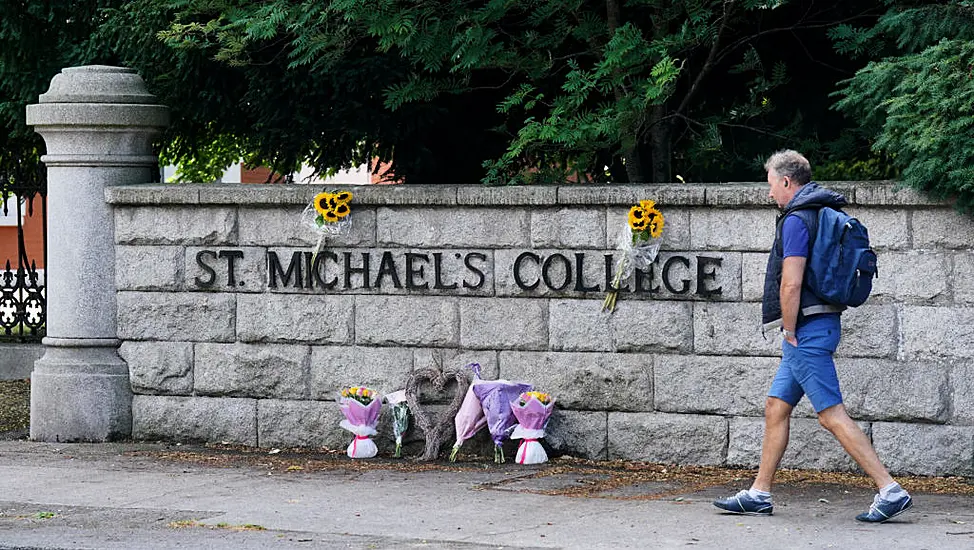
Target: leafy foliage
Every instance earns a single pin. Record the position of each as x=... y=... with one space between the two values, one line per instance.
x=918 y=105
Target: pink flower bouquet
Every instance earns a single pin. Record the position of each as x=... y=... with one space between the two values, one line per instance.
x=532 y=409
x=470 y=418
x=361 y=407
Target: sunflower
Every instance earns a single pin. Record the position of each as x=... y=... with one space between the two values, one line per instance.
x=342 y=210
x=343 y=197
x=640 y=225
x=329 y=216
x=655 y=222
x=636 y=216
x=321 y=202
x=647 y=204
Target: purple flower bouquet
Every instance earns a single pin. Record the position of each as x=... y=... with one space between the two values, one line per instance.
x=361 y=407
x=495 y=399
x=532 y=410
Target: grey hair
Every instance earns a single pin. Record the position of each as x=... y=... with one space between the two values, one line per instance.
x=791 y=164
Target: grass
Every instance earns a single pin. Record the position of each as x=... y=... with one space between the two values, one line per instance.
x=14 y=406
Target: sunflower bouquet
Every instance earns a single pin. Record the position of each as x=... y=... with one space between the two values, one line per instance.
x=639 y=244
x=361 y=407
x=328 y=214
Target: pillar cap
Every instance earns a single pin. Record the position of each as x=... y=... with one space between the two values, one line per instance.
x=97 y=84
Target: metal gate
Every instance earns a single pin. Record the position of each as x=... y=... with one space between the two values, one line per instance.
x=23 y=303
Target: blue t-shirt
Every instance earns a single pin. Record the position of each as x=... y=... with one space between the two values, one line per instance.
x=794 y=237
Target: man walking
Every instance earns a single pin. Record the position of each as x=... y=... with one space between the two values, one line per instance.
x=811 y=330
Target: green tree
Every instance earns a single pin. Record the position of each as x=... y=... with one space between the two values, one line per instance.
x=917 y=100
x=642 y=87
x=37 y=39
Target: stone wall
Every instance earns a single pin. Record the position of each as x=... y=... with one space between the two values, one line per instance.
x=232 y=334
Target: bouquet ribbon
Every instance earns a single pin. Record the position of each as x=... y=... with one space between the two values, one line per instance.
x=524 y=443
x=355 y=442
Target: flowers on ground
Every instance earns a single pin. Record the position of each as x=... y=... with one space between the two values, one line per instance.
x=638 y=244
x=400 y=417
x=495 y=398
x=361 y=407
x=470 y=418
x=532 y=409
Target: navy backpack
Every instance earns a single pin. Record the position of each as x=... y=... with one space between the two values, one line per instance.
x=842 y=265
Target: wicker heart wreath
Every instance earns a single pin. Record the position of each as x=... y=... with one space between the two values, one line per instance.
x=437 y=429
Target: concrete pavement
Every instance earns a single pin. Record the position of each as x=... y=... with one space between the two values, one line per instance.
x=127 y=496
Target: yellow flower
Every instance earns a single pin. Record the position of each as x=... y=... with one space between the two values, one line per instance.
x=342 y=210
x=329 y=216
x=342 y=197
x=647 y=204
x=321 y=202
x=636 y=216
x=656 y=222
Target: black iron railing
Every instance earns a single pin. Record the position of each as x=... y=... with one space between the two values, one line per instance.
x=23 y=301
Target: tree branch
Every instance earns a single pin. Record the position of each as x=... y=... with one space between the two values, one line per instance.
x=709 y=63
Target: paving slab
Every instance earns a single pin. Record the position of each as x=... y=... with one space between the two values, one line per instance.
x=143 y=496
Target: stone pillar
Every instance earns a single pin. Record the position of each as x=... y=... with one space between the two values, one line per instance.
x=98 y=123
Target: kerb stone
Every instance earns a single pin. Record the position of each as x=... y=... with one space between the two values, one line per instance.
x=295 y=318
x=159 y=367
x=587 y=381
x=190 y=317
x=668 y=438
x=925 y=450
x=810 y=446
x=713 y=385
x=252 y=370
x=204 y=419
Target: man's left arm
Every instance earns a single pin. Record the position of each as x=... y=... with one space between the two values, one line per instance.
x=792 y=273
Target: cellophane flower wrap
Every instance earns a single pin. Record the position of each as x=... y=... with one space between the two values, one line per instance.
x=638 y=244
x=470 y=419
x=328 y=214
x=495 y=399
x=532 y=410
x=400 y=417
x=361 y=407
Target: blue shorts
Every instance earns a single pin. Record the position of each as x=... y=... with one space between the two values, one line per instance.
x=809 y=369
